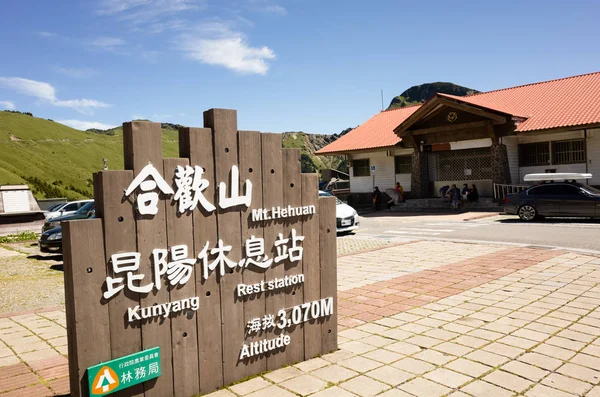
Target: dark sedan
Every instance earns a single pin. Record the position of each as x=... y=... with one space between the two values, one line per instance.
x=51 y=240
x=560 y=199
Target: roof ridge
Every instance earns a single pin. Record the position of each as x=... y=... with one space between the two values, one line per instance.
x=530 y=84
x=404 y=107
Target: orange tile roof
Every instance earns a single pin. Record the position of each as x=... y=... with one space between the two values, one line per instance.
x=567 y=102
x=377 y=132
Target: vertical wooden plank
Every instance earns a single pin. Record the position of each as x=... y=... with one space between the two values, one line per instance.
x=272 y=167
x=223 y=123
x=294 y=295
x=328 y=259
x=197 y=145
x=85 y=273
x=310 y=260
x=183 y=327
x=143 y=144
x=118 y=222
x=251 y=169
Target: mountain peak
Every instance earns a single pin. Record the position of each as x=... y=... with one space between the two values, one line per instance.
x=421 y=93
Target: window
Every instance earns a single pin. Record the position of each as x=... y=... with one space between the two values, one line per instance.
x=568 y=152
x=403 y=164
x=453 y=165
x=534 y=154
x=361 y=167
x=71 y=207
x=554 y=189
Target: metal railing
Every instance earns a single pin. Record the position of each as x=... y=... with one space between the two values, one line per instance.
x=502 y=190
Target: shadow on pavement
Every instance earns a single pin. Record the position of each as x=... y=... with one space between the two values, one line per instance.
x=58 y=268
x=55 y=257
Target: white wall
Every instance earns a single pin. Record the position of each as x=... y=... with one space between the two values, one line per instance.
x=593 y=153
x=512 y=147
x=540 y=169
x=405 y=181
x=384 y=172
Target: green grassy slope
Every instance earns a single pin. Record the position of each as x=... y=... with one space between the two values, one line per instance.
x=56 y=160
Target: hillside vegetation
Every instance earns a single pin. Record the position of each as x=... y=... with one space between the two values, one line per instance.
x=421 y=93
x=56 y=160
x=309 y=144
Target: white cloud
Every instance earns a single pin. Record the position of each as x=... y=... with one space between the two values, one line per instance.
x=77 y=73
x=216 y=44
x=107 y=43
x=46 y=34
x=275 y=9
x=7 y=105
x=160 y=117
x=28 y=87
x=85 y=125
x=138 y=11
x=47 y=93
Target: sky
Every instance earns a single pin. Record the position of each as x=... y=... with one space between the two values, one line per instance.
x=284 y=65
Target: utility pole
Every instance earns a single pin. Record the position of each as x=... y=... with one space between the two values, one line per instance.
x=382 y=99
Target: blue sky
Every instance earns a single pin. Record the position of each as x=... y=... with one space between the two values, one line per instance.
x=285 y=65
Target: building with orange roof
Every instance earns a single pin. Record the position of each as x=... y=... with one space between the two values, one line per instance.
x=489 y=139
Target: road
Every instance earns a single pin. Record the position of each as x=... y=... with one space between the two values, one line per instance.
x=581 y=234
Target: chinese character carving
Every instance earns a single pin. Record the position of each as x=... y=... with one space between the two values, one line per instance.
x=190 y=185
x=254 y=325
x=178 y=271
x=255 y=249
x=127 y=262
x=235 y=199
x=147 y=202
x=268 y=322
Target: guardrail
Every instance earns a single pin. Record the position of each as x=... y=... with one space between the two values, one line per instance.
x=502 y=190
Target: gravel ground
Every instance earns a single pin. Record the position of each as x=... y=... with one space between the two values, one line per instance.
x=28 y=279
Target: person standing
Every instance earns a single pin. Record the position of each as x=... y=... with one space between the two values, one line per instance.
x=455 y=194
x=376 y=198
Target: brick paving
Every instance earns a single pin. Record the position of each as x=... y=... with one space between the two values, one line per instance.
x=419 y=319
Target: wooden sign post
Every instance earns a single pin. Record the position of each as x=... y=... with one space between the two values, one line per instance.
x=201 y=270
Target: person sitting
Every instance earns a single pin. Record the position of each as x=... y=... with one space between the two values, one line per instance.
x=444 y=192
x=400 y=191
x=464 y=192
x=473 y=195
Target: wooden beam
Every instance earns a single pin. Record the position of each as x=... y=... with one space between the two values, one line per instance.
x=437 y=110
x=472 y=109
x=416 y=116
x=411 y=140
x=491 y=132
x=450 y=127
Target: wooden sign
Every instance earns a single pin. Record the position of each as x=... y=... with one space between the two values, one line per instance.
x=224 y=259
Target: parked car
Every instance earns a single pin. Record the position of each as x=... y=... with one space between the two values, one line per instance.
x=86 y=211
x=346 y=217
x=51 y=240
x=64 y=209
x=555 y=199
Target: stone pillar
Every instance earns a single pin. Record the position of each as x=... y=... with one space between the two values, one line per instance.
x=500 y=168
x=419 y=180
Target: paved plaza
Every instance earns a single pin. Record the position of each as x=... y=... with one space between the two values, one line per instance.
x=417 y=318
